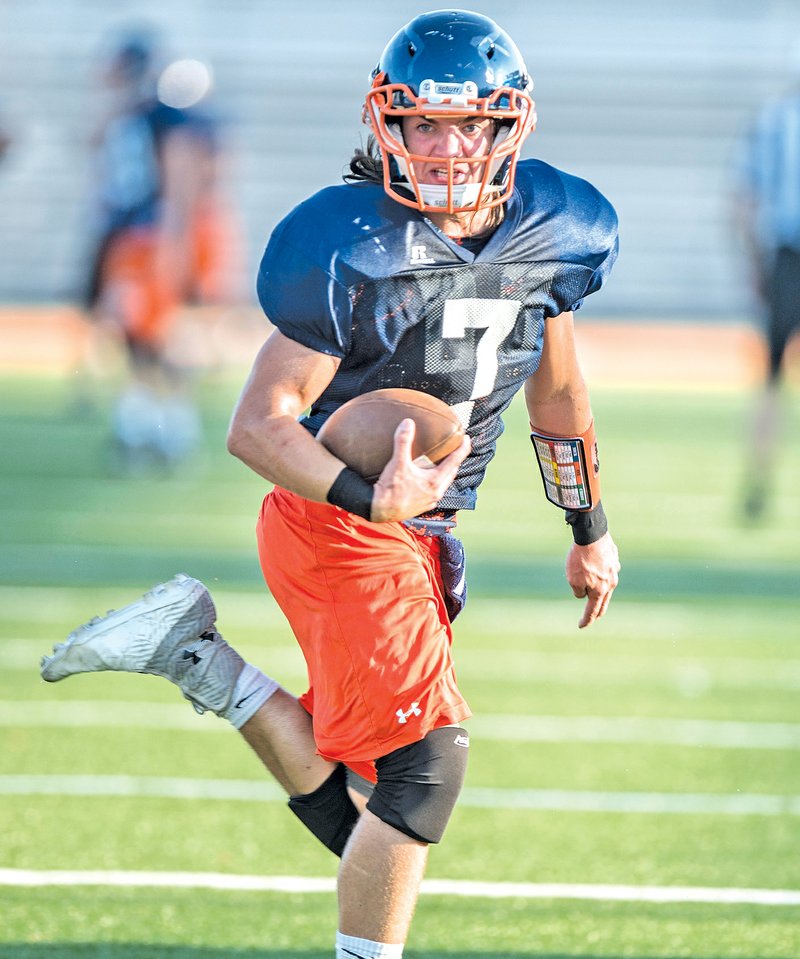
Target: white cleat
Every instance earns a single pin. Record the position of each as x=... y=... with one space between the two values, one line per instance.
x=168 y=632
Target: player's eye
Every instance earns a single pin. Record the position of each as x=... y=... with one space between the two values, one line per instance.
x=474 y=128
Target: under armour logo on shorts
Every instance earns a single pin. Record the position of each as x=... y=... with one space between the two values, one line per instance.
x=402 y=717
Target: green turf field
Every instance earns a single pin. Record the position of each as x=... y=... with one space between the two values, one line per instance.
x=653 y=757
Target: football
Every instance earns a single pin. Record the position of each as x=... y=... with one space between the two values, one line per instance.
x=361 y=432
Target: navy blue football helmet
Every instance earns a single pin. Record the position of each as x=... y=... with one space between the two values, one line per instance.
x=451 y=63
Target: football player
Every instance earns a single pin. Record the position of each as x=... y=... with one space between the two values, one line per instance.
x=767 y=208
x=162 y=236
x=445 y=264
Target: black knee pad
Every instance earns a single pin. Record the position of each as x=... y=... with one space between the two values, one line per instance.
x=418 y=785
x=328 y=812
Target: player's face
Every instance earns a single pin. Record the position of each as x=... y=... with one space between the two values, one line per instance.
x=448 y=138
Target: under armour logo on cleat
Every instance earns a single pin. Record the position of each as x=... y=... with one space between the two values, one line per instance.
x=402 y=717
x=208 y=637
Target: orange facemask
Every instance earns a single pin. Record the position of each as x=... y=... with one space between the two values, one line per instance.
x=515 y=115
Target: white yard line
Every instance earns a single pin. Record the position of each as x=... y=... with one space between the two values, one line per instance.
x=430 y=887
x=549 y=800
x=718 y=734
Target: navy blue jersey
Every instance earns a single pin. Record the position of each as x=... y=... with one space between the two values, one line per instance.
x=128 y=166
x=354 y=274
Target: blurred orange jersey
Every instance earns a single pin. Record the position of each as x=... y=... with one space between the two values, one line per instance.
x=365 y=602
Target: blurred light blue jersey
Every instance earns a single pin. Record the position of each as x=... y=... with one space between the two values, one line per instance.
x=356 y=275
x=768 y=169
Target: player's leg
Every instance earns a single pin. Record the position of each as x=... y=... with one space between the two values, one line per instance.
x=384 y=862
x=124 y=300
x=155 y=419
x=378 y=885
x=101 y=347
x=280 y=733
x=174 y=429
x=783 y=294
x=170 y=632
x=763 y=440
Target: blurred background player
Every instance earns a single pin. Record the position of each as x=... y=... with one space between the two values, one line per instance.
x=162 y=237
x=768 y=211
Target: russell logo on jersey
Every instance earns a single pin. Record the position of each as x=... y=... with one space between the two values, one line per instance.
x=419 y=254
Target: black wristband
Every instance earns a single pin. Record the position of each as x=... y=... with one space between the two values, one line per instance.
x=587 y=525
x=352 y=492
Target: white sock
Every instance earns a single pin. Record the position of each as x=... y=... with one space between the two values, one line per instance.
x=251 y=691
x=351 y=947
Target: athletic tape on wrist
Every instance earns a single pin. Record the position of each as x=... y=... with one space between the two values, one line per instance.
x=353 y=493
x=570 y=468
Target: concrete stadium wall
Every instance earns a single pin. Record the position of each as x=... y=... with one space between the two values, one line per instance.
x=644 y=100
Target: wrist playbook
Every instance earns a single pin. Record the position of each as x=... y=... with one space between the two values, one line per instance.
x=570 y=468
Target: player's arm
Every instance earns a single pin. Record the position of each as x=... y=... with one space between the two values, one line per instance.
x=558 y=405
x=265 y=434
x=264 y=431
x=182 y=160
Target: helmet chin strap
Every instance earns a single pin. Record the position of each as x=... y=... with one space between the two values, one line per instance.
x=438 y=194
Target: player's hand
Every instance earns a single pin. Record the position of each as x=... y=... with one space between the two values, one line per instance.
x=593 y=572
x=405 y=489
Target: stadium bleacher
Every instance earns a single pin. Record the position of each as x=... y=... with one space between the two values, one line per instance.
x=646 y=104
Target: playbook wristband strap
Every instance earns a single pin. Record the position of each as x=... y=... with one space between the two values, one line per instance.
x=353 y=493
x=587 y=526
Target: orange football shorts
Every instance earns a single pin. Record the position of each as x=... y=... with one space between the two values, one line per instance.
x=148 y=298
x=365 y=602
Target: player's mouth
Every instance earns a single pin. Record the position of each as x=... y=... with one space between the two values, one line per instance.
x=441 y=175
